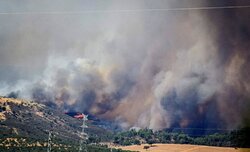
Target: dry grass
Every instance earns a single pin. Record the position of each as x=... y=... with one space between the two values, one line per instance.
x=182 y=148
x=10 y=100
x=2 y=116
x=19 y=102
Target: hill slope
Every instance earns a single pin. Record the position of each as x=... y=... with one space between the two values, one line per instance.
x=28 y=119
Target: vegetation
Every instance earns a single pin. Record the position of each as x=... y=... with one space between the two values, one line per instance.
x=26 y=145
x=239 y=138
x=59 y=149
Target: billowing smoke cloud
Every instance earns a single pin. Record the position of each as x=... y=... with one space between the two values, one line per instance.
x=139 y=69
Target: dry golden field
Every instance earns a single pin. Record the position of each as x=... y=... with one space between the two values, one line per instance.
x=182 y=148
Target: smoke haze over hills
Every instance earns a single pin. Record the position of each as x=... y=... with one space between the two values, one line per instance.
x=154 y=69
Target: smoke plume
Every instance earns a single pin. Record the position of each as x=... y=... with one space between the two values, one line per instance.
x=155 y=69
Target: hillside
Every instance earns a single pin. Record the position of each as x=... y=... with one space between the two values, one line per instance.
x=29 y=119
x=27 y=123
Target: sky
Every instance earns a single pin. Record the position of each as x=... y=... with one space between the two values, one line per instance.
x=130 y=61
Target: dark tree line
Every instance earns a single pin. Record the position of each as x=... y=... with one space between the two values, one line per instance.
x=237 y=138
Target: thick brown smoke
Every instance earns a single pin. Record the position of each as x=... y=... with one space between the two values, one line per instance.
x=140 y=69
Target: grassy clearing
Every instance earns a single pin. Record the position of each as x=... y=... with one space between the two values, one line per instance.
x=181 y=148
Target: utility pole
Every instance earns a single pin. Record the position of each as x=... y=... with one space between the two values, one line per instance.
x=83 y=134
x=49 y=142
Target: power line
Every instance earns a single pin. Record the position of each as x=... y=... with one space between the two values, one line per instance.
x=49 y=142
x=83 y=135
x=128 y=10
